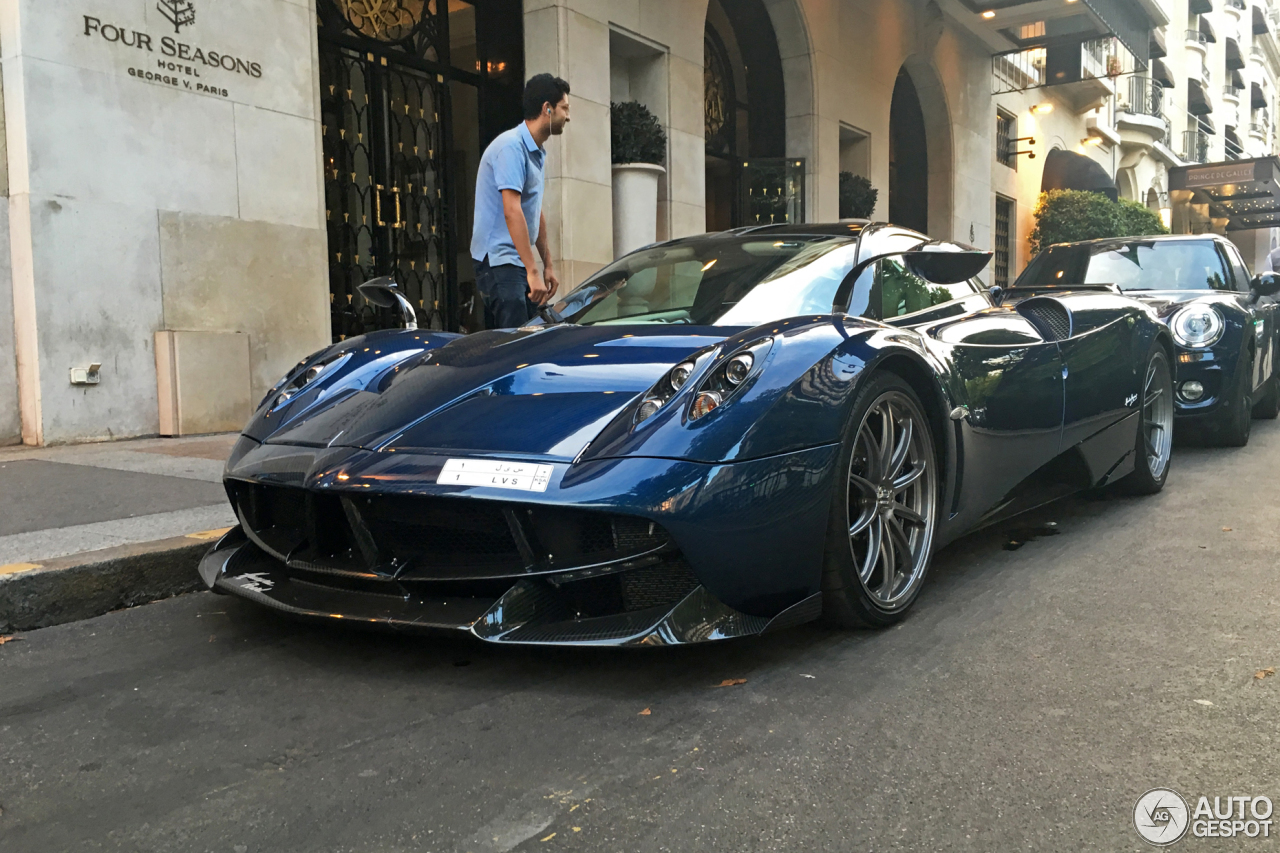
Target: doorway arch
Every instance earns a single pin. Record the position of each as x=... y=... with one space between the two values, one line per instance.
x=751 y=110
x=920 y=145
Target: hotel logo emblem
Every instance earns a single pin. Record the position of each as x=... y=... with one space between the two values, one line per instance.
x=180 y=13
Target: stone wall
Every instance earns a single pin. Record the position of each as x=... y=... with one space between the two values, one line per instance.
x=149 y=158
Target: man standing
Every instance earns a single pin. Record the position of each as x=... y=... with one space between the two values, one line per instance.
x=509 y=220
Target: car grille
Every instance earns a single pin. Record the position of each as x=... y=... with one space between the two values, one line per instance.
x=434 y=538
x=1050 y=318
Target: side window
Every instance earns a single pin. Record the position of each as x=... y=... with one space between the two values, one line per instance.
x=1238 y=269
x=899 y=292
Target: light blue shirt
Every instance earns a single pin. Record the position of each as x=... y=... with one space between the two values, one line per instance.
x=513 y=161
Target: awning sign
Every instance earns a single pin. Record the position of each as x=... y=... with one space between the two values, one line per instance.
x=1214 y=175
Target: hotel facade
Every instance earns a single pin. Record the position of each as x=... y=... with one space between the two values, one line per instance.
x=195 y=187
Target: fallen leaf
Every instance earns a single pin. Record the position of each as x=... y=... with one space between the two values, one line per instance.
x=574 y=807
x=646 y=712
x=1263 y=673
x=1226 y=530
x=9 y=639
x=1203 y=702
x=1202 y=546
x=577 y=829
x=732 y=682
x=549 y=837
x=673 y=770
x=807 y=675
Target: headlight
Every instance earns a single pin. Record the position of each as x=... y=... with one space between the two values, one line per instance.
x=1197 y=326
x=659 y=395
x=298 y=380
x=728 y=378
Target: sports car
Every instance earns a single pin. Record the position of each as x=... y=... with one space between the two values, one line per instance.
x=1223 y=322
x=712 y=437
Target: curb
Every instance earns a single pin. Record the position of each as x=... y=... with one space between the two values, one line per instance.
x=96 y=582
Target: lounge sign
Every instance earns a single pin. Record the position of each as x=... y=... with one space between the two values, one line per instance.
x=170 y=60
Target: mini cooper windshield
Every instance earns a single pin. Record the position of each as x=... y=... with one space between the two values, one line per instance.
x=734 y=281
x=1140 y=265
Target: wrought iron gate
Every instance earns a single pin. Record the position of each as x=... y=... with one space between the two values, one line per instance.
x=387 y=81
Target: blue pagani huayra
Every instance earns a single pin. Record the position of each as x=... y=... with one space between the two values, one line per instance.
x=712 y=437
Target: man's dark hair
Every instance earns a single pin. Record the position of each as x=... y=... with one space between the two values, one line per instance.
x=542 y=89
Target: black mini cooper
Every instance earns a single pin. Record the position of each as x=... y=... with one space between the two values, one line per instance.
x=1223 y=321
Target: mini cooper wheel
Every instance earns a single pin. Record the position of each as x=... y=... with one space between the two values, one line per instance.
x=880 y=534
x=1154 y=445
x=1268 y=405
x=1237 y=421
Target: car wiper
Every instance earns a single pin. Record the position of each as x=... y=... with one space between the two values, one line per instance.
x=549 y=315
x=1136 y=289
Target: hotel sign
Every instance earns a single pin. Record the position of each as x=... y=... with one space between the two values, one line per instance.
x=170 y=61
x=1212 y=176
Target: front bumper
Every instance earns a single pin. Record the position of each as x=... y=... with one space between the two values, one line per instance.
x=1214 y=371
x=740 y=551
x=529 y=613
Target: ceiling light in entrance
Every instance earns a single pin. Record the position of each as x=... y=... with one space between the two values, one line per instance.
x=989 y=14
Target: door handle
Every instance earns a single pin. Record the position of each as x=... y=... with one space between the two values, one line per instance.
x=395 y=193
x=377 y=204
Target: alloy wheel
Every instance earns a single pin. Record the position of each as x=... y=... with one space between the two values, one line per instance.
x=892 y=495
x=1157 y=416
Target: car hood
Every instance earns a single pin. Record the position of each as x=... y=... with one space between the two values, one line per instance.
x=1165 y=302
x=543 y=392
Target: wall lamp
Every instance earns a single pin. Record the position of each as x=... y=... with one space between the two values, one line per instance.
x=1042 y=109
x=1013 y=143
x=1091 y=140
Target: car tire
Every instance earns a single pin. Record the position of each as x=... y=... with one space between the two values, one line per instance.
x=1153 y=445
x=1237 y=421
x=1268 y=405
x=883 y=509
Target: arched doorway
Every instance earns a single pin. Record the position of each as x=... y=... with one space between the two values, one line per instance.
x=908 y=157
x=749 y=179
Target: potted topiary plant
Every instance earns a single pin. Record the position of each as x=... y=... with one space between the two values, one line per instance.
x=857 y=196
x=639 y=145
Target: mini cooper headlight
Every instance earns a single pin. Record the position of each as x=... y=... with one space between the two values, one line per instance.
x=1197 y=326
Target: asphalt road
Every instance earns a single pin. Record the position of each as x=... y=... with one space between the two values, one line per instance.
x=1029 y=700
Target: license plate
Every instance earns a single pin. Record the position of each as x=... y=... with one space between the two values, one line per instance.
x=522 y=476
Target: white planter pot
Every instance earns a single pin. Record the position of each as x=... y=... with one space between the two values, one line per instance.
x=635 y=206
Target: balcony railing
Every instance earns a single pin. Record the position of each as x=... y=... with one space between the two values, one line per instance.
x=1195 y=146
x=1205 y=75
x=1234 y=149
x=1020 y=70
x=1195 y=37
x=1144 y=97
x=1236 y=4
x=1258 y=128
x=1230 y=91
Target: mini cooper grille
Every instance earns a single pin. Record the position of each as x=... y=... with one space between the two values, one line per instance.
x=429 y=538
x=1051 y=319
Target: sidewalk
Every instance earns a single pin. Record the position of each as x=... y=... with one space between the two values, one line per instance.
x=115 y=506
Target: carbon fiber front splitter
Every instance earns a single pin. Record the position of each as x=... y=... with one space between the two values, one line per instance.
x=525 y=613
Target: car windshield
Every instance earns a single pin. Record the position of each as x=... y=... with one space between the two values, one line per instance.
x=728 y=281
x=1144 y=265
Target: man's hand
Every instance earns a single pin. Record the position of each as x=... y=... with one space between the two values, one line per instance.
x=537 y=287
x=553 y=283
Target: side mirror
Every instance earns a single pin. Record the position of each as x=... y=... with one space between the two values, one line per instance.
x=384 y=293
x=997 y=294
x=946 y=263
x=1265 y=284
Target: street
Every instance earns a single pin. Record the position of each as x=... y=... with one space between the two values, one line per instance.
x=1032 y=696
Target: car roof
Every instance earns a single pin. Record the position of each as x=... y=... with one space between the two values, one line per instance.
x=1106 y=242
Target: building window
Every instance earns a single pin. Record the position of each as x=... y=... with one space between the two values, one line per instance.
x=1006 y=132
x=1004 y=216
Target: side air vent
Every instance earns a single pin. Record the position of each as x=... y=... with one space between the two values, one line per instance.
x=1051 y=319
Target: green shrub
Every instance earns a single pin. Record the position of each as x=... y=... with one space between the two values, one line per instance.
x=1065 y=216
x=857 y=196
x=1138 y=220
x=635 y=135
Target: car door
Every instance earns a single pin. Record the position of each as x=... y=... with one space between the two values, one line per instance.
x=1006 y=378
x=1263 y=311
x=1102 y=388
